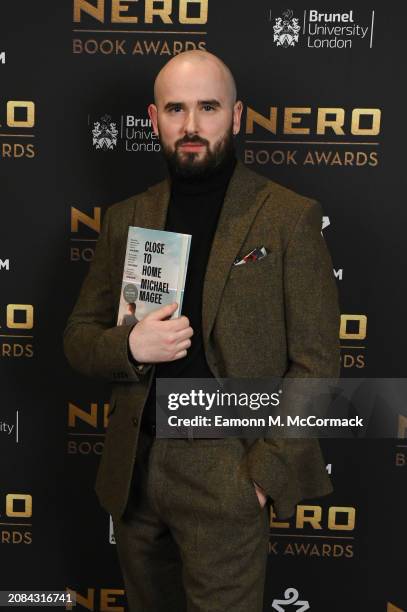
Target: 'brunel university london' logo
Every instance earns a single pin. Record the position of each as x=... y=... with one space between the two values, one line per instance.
x=286 y=29
x=105 y=133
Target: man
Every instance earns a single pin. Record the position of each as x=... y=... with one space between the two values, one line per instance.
x=129 y=317
x=191 y=516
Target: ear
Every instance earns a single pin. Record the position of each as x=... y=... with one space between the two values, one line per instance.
x=152 y=113
x=237 y=116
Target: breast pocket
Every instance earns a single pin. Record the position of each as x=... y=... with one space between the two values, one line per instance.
x=252 y=271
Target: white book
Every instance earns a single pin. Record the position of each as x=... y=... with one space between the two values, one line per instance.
x=154 y=273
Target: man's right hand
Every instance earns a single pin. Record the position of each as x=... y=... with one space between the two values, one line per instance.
x=156 y=339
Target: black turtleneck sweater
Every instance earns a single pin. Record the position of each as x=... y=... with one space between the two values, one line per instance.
x=194 y=208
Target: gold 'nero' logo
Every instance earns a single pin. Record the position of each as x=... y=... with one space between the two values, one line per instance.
x=17 y=115
x=98 y=599
x=14 y=341
x=86 y=428
x=353 y=333
x=315 y=532
x=84 y=227
x=190 y=12
x=303 y=121
x=15 y=520
x=315 y=127
x=121 y=19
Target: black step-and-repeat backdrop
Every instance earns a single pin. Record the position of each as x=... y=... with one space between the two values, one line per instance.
x=323 y=91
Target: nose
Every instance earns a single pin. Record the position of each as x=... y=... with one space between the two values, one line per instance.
x=191 y=123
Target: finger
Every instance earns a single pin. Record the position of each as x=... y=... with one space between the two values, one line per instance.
x=178 y=324
x=180 y=354
x=185 y=344
x=163 y=312
x=183 y=320
x=183 y=334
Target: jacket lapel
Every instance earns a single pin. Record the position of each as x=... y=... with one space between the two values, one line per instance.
x=242 y=201
x=151 y=211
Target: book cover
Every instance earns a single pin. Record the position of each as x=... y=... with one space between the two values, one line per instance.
x=154 y=273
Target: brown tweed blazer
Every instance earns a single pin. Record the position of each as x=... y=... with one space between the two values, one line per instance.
x=277 y=317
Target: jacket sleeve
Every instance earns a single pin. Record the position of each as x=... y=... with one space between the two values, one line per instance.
x=311 y=301
x=293 y=469
x=93 y=343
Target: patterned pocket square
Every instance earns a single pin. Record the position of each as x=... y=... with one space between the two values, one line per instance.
x=255 y=255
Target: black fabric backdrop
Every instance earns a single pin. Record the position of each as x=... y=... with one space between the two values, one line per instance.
x=55 y=186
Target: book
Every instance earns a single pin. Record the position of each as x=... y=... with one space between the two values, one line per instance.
x=155 y=269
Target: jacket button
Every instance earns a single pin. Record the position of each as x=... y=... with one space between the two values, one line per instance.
x=135 y=421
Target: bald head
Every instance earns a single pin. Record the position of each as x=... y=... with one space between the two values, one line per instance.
x=190 y=66
x=195 y=114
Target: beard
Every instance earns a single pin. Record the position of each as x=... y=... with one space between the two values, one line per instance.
x=187 y=165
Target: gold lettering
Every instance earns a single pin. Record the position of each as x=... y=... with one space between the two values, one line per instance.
x=118 y=8
x=164 y=11
x=29 y=316
x=269 y=124
x=314 y=520
x=349 y=511
x=97 y=12
x=277 y=524
x=78 y=216
x=357 y=113
x=290 y=118
x=335 y=124
x=203 y=12
x=109 y=596
x=362 y=327
x=87 y=601
x=74 y=412
x=30 y=110
x=28 y=505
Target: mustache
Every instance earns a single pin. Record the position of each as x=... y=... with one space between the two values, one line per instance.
x=188 y=139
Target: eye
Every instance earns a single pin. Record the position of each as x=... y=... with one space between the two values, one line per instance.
x=208 y=107
x=175 y=109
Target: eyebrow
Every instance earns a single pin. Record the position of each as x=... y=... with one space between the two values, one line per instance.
x=214 y=103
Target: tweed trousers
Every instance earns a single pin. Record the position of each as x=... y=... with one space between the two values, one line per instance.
x=194 y=537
